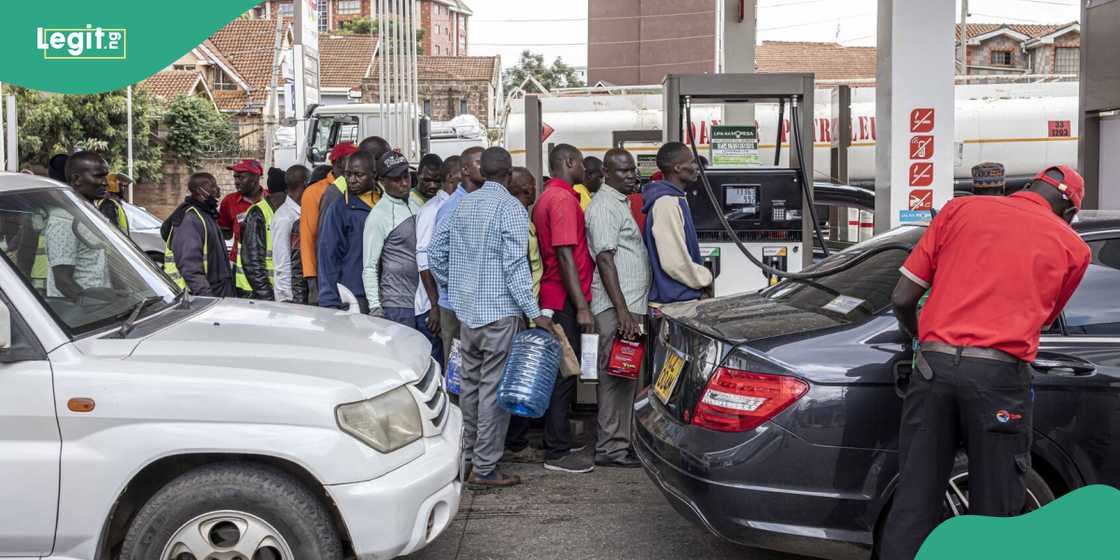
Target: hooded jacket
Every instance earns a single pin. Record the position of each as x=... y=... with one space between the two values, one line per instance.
x=213 y=279
x=674 y=251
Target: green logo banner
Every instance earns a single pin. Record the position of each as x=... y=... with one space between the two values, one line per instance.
x=81 y=46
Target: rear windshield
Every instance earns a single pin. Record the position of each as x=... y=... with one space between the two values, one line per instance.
x=858 y=292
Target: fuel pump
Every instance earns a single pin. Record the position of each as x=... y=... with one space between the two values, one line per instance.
x=761 y=210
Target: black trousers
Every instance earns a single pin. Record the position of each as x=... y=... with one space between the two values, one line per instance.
x=986 y=405
x=557 y=429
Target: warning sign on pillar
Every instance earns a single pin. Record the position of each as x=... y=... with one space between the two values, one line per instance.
x=921 y=174
x=921 y=120
x=921 y=199
x=921 y=147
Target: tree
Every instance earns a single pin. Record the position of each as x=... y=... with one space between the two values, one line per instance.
x=196 y=128
x=368 y=26
x=532 y=64
x=51 y=123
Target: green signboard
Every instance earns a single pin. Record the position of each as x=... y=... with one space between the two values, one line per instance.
x=647 y=165
x=734 y=146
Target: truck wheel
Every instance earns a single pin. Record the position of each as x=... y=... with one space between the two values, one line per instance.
x=236 y=511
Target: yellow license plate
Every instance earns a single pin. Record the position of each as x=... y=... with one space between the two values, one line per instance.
x=667 y=378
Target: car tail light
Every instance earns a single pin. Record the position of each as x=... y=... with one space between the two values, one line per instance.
x=737 y=401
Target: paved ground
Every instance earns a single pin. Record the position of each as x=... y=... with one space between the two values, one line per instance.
x=609 y=514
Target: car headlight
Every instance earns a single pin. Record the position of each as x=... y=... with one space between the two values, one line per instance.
x=386 y=422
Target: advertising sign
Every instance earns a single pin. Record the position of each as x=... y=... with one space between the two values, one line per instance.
x=734 y=146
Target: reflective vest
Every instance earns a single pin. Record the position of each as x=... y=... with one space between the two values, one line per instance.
x=40 y=265
x=240 y=279
x=122 y=218
x=169 y=256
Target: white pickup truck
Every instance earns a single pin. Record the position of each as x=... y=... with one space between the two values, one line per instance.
x=139 y=423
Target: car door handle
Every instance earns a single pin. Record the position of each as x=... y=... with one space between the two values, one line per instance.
x=1078 y=368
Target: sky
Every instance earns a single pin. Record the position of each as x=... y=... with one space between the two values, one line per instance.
x=558 y=28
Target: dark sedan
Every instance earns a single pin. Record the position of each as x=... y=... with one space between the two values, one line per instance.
x=772 y=418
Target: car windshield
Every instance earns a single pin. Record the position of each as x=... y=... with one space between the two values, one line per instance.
x=855 y=293
x=138 y=218
x=81 y=267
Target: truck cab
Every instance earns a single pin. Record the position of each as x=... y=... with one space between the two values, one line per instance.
x=137 y=422
x=333 y=124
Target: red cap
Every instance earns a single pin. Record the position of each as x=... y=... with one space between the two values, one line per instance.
x=342 y=150
x=1071 y=184
x=251 y=165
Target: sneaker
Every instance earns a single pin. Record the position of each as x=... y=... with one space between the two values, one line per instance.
x=625 y=462
x=570 y=463
x=495 y=479
x=529 y=454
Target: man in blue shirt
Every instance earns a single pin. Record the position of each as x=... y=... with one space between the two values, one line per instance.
x=480 y=253
x=471 y=181
x=340 y=235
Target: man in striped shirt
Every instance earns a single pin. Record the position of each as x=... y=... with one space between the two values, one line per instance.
x=619 y=289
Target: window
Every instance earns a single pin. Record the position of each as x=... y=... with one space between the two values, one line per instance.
x=24 y=345
x=287 y=9
x=1002 y=58
x=1093 y=308
x=437 y=29
x=222 y=80
x=463 y=106
x=324 y=16
x=428 y=107
x=435 y=50
x=108 y=277
x=349 y=7
x=1067 y=60
x=870 y=282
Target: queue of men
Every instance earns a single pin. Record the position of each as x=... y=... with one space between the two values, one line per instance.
x=465 y=252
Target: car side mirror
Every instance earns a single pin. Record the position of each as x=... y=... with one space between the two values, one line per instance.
x=5 y=328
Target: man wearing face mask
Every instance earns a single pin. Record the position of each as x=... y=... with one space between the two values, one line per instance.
x=195 y=253
x=979 y=333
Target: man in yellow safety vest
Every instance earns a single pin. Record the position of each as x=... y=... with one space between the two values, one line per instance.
x=194 y=251
x=254 y=257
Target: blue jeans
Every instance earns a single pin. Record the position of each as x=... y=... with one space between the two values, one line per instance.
x=437 y=343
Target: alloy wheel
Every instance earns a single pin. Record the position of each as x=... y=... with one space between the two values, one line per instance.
x=227 y=535
x=956 y=497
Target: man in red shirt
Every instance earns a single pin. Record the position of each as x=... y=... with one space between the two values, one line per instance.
x=231 y=212
x=998 y=271
x=565 y=291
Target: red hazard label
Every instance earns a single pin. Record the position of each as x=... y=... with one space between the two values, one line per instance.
x=921 y=199
x=921 y=174
x=921 y=120
x=1059 y=129
x=546 y=131
x=921 y=147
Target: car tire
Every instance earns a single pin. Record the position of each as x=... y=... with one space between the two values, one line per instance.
x=232 y=493
x=1038 y=494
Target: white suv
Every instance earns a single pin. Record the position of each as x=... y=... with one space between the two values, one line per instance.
x=139 y=423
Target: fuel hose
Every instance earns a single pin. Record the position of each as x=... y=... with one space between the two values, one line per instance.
x=767 y=269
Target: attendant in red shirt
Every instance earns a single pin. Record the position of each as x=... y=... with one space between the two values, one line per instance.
x=231 y=212
x=565 y=290
x=998 y=271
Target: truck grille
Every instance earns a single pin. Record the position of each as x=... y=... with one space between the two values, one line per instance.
x=432 y=398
